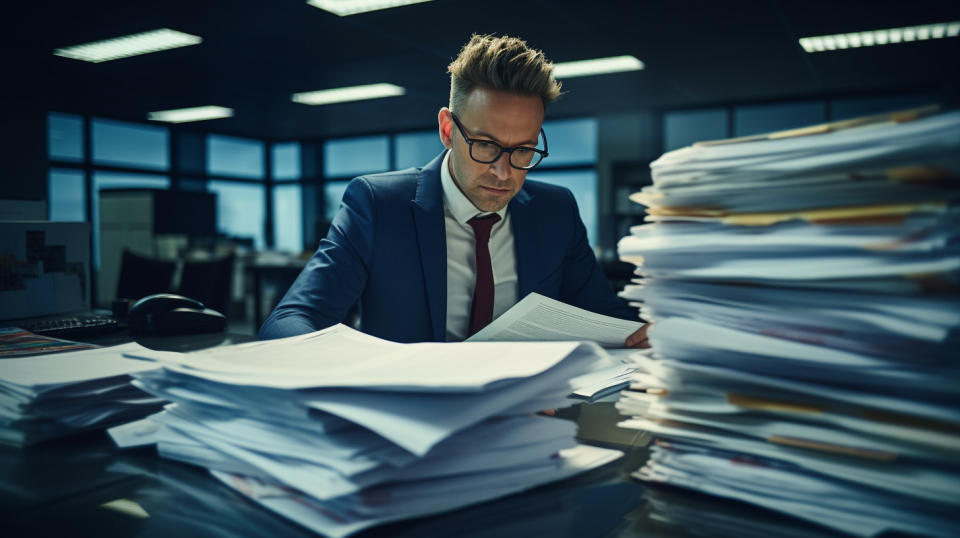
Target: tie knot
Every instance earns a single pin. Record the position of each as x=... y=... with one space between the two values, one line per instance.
x=482 y=225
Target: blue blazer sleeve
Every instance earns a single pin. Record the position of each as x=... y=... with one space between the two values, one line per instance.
x=584 y=283
x=335 y=276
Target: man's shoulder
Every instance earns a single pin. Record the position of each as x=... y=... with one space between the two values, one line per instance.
x=408 y=175
x=399 y=182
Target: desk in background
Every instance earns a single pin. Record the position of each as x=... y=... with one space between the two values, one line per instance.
x=264 y=275
x=270 y=280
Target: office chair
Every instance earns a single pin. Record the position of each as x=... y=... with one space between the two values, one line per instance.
x=209 y=282
x=141 y=276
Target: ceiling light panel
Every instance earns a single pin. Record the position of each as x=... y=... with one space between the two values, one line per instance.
x=597 y=66
x=130 y=45
x=352 y=7
x=905 y=34
x=197 y=113
x=350 y=93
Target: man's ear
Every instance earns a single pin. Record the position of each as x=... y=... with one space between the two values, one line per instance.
x=445 y=124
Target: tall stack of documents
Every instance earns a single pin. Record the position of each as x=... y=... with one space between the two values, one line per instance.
x=340 y=431
x=804 y=293
x=49 y=396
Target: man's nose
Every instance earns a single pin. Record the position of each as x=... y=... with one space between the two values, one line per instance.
x=501 y=166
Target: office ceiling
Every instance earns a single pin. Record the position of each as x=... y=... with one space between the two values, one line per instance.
x=256 y=53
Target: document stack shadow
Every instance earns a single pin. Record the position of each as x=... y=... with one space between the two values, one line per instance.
x=803 y=289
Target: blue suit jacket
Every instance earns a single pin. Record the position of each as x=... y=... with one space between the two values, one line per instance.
x=387 y=248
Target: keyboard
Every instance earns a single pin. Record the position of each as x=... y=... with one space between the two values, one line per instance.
x=74 y=327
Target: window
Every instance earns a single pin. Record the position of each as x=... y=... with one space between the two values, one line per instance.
x=682 y=128
x=583 y=184
x=571 y=142
x=757 y=119
x=286 y=161
x=240 y=210
x=356 y=156
x=235 y=157
x=67 y=195
x=64 y=137
x=332 y=194
x=120 y=143
x=416 y=149
x=288 y=217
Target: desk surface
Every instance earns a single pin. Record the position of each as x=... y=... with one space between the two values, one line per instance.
x=85 y=486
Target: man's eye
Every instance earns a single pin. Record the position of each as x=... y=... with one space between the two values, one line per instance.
x=485 y=146
x=523 y=152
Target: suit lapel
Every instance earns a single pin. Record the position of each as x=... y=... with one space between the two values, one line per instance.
x=427 y=210
x=524 y=242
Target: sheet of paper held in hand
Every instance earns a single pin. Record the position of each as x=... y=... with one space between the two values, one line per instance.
x=540 y=318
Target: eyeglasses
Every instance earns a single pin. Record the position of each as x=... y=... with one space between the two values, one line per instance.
x=487 y=151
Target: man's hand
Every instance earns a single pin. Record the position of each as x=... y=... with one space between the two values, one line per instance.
x=638 y=340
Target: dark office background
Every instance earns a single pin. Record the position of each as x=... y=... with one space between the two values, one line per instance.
x=712 y=70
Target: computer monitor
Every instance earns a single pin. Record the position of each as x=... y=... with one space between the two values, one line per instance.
x=44 y=268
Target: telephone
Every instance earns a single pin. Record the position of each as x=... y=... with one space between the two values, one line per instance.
x=170 y=314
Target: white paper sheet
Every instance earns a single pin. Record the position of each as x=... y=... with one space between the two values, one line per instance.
x=48 y=371
x=539 y=318
x=338 y=357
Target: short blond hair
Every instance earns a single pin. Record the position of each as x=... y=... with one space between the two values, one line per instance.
x=501 y=63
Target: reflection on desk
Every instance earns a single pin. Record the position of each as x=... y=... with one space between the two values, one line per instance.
x=697 y=514
x=84 y=482
x=58 y=488
x=183 y=343
x=166 y=498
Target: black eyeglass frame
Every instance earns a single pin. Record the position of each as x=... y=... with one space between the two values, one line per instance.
x=542 y=152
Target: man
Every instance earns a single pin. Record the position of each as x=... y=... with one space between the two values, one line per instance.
x=435 y=253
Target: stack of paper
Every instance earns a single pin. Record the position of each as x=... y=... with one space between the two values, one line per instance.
x=537 y=318
x=44 y=397
x=804 y=294
x=340 y=431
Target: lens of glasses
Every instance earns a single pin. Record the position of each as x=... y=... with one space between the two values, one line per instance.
x=524 y=158
x=485 y=152
x=488 y=152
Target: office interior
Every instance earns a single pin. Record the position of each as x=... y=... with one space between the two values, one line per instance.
x=261 y=186
x=228 y=210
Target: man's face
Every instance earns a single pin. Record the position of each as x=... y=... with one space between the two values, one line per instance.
x=505 y=118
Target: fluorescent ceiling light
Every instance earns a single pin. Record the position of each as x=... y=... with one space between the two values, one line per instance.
x=598 y=66
x=350 y=93
x=352 y=7
x=197 y=113
x=888 y=36
x=130 y=45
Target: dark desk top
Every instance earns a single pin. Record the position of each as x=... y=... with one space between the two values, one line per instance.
x=85 y=486
x=184 y=343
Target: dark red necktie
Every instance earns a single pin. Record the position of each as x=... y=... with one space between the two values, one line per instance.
x=481 y=313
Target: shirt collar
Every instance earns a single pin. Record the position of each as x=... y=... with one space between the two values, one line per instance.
x=459 y=205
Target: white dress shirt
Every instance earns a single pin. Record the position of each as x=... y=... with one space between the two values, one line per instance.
x=461 y=257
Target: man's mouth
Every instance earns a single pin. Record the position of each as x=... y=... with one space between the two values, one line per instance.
x=494 y=190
